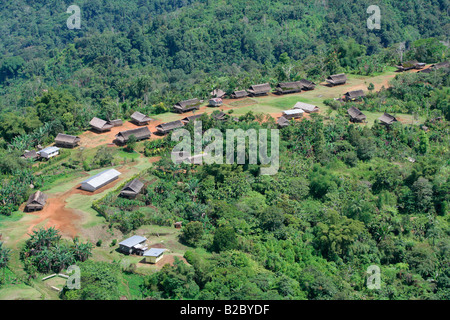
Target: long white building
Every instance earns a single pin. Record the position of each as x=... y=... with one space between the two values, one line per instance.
x=99 y=180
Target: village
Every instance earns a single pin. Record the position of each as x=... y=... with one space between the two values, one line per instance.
x=137 y=245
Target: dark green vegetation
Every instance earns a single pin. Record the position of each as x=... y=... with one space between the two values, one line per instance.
x=46 y=252
x=346 y=196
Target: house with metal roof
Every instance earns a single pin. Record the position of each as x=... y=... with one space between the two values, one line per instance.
x=306 y=107
x=133 y=245
x=48 y=152
x=215 y=102
x=100 y=179
x=132 y=189
x=36 y=201
x=153 y=255
x=292 y=114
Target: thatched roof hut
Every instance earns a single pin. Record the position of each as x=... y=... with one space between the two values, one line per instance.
x=100 y=125
x=306 y=107
x=36 y=201
x=354 y=95
x=115 y=122
x=307 y=85
x=337 y=79
x=387 y=119
x=217 y=93
x=66 y=141
x=356 y=115
x=187 y=105
x=282 y=122
x=259 y=89
x=140 y=119
x=140 y=133
x=164 y=128
x=192 y=118
x=288 y=87
x=132 y=189
x=408 y=65
x=239 y=94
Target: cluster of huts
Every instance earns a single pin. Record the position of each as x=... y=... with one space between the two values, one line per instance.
x=61 y=141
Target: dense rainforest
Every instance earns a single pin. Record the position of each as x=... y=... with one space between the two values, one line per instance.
x=346 y=196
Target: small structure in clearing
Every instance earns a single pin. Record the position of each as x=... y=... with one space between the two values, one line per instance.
x=140 y=133
x=153 y=255
x=356 y=115
x=100 y=125
x=306 y=107
x=187 y=105
x=133 y=245
x=36 y=201
x=132 y=189
x=387 y=119
x=48 y=152
x=293 y=114
x=354 y=95
x=66 y=141
x=165 y=128
x=140 y=119
x=337 y=79
x=259 y=90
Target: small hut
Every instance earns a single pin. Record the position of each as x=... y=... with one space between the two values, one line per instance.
x=354 y=95
x=387 y=119
x=292 y=114
x=153 y=255
x=259 y=90
x=140 y=119
x=308 y=108
x=219 y=116
x=282 y=122
x=288 y=87
x=132 y=189
x=178 y=224
x=408 y=65
x=66 y=141
x=100 y=125
x=30 y=154
x=36 y=201
x=187 y=105
x=48 y=152
x=165 y=128
x=307 y=85
x=192 y=118
x=356 y=115
x=239 y=94
x=337 y=79
x=133 y=245
x=215 y=102
x=217 y=93
x=115 y=122
x=140 y=133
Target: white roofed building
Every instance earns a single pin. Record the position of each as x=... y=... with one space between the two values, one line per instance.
x=99 y=180
x=48 y=152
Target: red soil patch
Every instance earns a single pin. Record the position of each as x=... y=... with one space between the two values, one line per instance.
x=169 y=259
x=58 y=216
